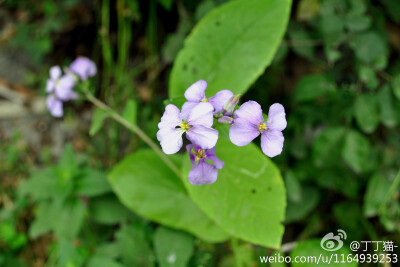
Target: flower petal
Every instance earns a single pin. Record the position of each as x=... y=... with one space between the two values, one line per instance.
x=64 y=88
x=203 y=173
x=191 y=155
x=250 y=111
x=201 y=114
x=50 y=85
x=55 y=72
x=276 y=117
x=186 y=108
x=170 y=139
x=83 y=67
x=242 y=132
x=55 y=106
x=204 y=137
x=218 y=101
x=272 y=143
x=196 y=92
x=170 y=117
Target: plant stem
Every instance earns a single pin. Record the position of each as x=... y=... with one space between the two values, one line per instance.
x=135 y=129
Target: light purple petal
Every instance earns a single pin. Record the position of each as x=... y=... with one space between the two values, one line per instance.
x=170 y=117
x=83 y=67
x=202 y=136
x=170 y=139
x=217 y=162
x=55 y=72
x=196 y=92
x=191 y=155
x=242 y=132
x=55 y=106
x=203 y=173
x=50 y=86
x=201 y=114
x=272 y=143
x=276 y=117
x=218 y=101
x=186 y=108
x=250 y=111
x=64 y=88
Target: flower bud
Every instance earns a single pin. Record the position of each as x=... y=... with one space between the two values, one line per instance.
x=231 y=103
x=226 y=120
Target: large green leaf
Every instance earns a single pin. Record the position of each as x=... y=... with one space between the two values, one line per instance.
x=248 y=199
x=144 y=183
x=231 y=46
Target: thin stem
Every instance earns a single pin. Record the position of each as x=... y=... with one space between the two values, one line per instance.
x=135 y=129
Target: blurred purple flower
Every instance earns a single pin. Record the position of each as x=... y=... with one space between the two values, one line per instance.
x=83 y=67
x=203 y=172
x=196 y=123
x=196 y=94
x=60 y=89
x=249 y=123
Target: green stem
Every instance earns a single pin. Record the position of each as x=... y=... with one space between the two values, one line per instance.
x=135 y=129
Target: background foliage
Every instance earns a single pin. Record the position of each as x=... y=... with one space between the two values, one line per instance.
x=336 y=71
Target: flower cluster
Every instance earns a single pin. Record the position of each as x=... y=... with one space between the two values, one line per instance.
x=196 y=119
x=60 y=86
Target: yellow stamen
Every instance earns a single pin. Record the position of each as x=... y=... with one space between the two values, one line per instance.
x=184 y=126
x=204 y=100
x=262 y=127
x=199 y=154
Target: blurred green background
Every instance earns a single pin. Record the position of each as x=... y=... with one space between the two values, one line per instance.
x=337 y=72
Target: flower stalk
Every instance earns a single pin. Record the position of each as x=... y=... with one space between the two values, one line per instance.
x=133 y=128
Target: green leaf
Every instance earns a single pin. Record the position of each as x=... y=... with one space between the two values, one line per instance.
x=231 y=46
x=134 y=246
x=70 y=219
x=67 y=166
x=375 y=196
x=366 y=112
x=167 y=4
x=311 y=87
x=298 y=210
x=98 y=119
x=388 y=113
x=293 y=187
x=92 y=183
x=327 y=146
x=369 y=47
x=299 y=37
x=357 y=22
x=130 y=111
x=176 y=253
x=158 y=194
x=249 y=192
x=99 y=261
x=108 y=210
x=395 y=83
x=356 y=151
x=312 y=248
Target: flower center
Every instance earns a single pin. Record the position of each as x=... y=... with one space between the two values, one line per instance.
x=262 y=127
x=185 y=126
x=204 y=100
x=200 y=154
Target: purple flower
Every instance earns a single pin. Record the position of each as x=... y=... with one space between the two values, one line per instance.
x=203 y=172
x=196 y=123
x=60 y=89
x=249 y=123
x=196 y=94
x=83 y=67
